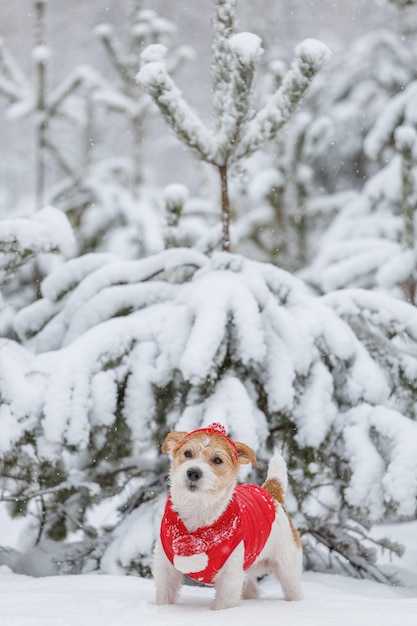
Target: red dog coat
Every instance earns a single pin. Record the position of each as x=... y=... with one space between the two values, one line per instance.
x=248 y=518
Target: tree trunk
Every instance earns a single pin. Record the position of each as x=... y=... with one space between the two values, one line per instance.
x=225 y=209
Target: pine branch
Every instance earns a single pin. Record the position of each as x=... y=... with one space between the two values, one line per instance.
x=20 y=239
x=11 y=70
x=405 y=142
x=360 y=560
x=221 y=68
x=156 y=81
x=246 y=50
x=116 y=56
x=76 y=79
x=9 y=90
x=311 y=56
x=61 y=161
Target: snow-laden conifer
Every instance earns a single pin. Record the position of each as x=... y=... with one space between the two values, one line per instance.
x=285 y=211
x=317 y=166
x=22 y=239
x=372 y=241
x=33 y=97
x=115 y=352
x=145 y=28
x=127 y=350
x=29 y=248
x=351 y=93
x=238 y=129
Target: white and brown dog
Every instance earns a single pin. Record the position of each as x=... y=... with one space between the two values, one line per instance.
x=221 y=533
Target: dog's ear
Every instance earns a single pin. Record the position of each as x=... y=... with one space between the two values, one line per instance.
x=245 y=454
x=171 y=441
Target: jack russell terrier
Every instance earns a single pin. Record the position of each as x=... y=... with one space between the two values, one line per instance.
x=220 y=533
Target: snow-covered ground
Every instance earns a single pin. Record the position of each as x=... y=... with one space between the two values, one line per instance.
x=128 y=601
x=101 y=600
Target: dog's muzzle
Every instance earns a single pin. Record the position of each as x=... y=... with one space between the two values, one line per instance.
x=194 y=474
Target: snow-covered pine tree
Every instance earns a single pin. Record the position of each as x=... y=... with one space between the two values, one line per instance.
x=372 y=243
x=317 y=166
x=238 y=129
x=114 y=207
x=280 y=224
x=32 y=97
x=145 y=27
x=116 y=353
x=127 y=350
x=351 y=93
x=22 y=241
x=95 y=195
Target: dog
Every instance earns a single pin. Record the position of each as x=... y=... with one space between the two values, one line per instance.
x=220 y=533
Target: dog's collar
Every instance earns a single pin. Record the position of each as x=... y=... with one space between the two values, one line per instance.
x=215 y=429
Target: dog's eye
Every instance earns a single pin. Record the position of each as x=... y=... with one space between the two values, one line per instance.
x=188 y=454
x=217 y=460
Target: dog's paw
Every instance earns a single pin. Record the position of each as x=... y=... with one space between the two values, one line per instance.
x=293 y=596
x=250 y=590
x=219 y=604
x=161 y=600
x=191 y=564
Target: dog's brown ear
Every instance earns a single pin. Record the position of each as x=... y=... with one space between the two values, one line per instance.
x=245 y=454
x=171 y=441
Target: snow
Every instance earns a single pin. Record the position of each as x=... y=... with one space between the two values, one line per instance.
x=247 y=47
x=154 y=52
x=110 y=600
x=311 y=55
x=222 y=334
x=175 y=195
x=398 y=109
x=317 y=408
x=313 y=52
x=41 y=53
x=155 y=80
x=48 y=230
x=103 y=30
x=405 y=138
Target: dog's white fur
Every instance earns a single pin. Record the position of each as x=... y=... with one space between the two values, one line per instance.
x=201 y=505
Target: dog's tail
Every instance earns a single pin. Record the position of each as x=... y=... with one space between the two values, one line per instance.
x=277 y=478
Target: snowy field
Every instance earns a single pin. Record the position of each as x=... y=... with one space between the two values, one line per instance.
x=128 y=601
x=94 y=600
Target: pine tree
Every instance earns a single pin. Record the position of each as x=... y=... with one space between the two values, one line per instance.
x=32 y=97
x=372 y=242
x=145 y=27
x=283 y=214
x=351 y=93
x=128 y=350
x=118 y=352
x=238 y=129
x=313 y=170
x=24 y=242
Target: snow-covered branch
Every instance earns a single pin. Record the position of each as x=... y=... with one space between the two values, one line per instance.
x=156 y=81
x=21 y=239
x=311 y=55
x=106 y=34
x=396 y=113
x=245 y=51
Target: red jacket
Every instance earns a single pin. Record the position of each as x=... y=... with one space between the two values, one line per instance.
x=248 y=518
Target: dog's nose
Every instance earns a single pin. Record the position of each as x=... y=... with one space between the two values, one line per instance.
x=194 y=474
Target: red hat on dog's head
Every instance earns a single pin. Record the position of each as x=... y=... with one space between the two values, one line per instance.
x=215 y=429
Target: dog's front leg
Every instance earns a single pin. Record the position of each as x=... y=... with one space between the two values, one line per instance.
x=168 y=580
x=229 y=581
